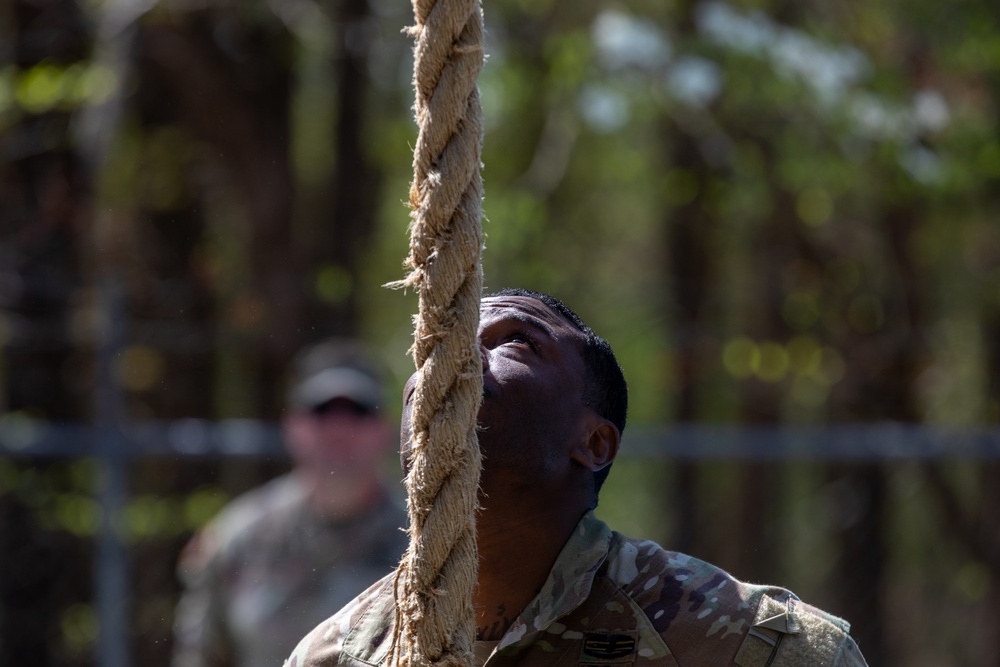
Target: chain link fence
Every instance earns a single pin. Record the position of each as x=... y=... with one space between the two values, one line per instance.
x=892 y=526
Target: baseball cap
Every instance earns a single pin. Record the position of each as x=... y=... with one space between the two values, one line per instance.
x=332 y=369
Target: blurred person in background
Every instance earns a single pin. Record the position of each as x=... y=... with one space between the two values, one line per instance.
x=283 y=557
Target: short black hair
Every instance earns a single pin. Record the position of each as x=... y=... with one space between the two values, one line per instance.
x=605 y=390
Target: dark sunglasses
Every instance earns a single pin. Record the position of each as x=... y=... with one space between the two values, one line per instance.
x=341 y=406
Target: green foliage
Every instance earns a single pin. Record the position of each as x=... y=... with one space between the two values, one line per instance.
x=79 y=627
x=49 y=86
x=64 y=498
x=833 y=165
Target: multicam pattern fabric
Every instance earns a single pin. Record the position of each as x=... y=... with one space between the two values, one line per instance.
x=268 y=569
x=616 y=601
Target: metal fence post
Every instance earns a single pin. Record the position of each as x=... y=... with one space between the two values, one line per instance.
x=111 y=566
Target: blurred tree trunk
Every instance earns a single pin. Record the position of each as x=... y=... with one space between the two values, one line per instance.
x=687 y=230
x=860 y=564
x=217 y=78
x=230 y=80
x=42 y=186
x=171 y=304
x=776 y=249
x=880 y=379
x=40 y=223
x=344 y=232
x=982 y=535
x=975 y=527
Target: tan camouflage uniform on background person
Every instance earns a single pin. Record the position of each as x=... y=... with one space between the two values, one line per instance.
x=283 y=557
x=612 y=600
x=268 y=569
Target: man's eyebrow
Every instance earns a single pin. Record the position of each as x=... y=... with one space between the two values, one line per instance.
x=531 y=321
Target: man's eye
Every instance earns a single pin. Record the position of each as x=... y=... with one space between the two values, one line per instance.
x=519 y=338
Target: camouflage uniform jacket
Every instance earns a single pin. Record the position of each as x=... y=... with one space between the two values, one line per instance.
x=268 y=568
x=614 y=601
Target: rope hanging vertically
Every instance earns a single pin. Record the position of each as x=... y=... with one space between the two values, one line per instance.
x=435 y=624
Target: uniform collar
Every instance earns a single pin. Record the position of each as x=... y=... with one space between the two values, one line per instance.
x=569 y=582
x=367 y=622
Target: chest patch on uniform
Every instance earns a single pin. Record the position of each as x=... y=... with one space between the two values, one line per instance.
x=607 y=646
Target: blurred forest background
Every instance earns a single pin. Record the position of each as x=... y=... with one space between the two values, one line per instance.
x=782 y=215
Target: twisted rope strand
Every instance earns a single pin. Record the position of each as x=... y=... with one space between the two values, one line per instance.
x=435 y=624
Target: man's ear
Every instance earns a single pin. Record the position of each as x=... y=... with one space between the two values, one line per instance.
x=599 y=445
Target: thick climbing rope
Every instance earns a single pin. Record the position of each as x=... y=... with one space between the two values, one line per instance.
x=435 y=623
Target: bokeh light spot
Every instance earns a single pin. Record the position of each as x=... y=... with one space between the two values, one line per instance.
x=140 y=367
x=814 y=206
x=803 y=354
x=773 y=362
x=333 y=283
x=844 y=274
x=741 y=357
x=809 y=392
x=79 y=625
x=831 y=366
x=680 y=187
x=800 y=310
x=865 y=314
x=77 y=514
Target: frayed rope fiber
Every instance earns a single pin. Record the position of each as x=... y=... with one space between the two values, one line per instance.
x=435 y=623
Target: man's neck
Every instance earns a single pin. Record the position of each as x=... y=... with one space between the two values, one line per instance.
x=516 y=553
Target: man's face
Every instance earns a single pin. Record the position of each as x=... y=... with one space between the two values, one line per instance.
x=336 y=438
x=533 y=376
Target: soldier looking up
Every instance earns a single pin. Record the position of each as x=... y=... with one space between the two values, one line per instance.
x=282 y=557
x=556 y=585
